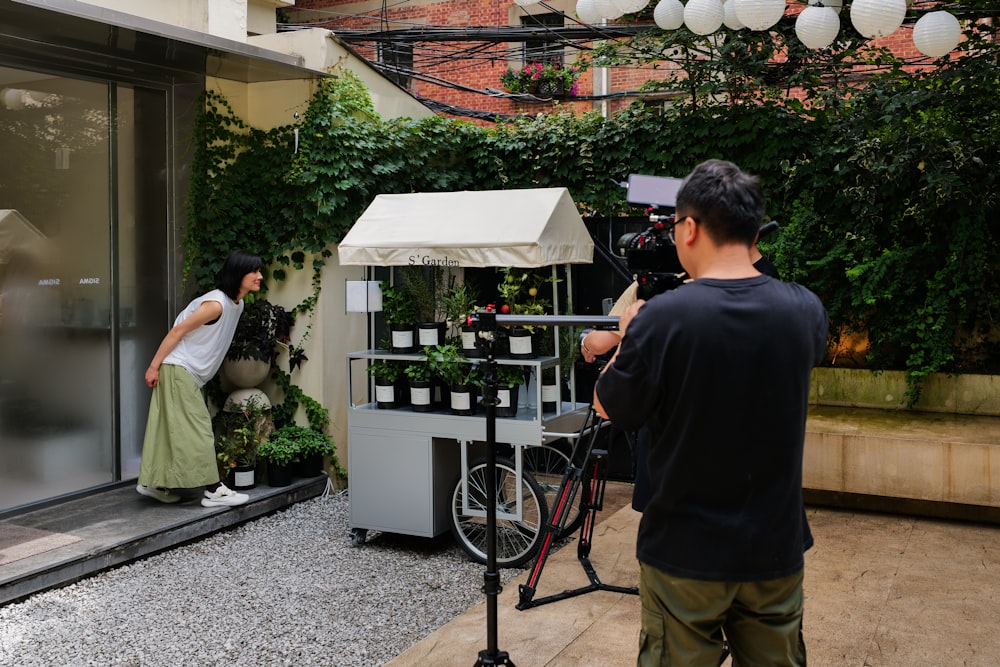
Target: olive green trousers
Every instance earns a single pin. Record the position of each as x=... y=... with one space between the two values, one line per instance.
x=685 y=622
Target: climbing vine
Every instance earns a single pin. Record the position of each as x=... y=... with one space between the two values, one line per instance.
x=886 y=193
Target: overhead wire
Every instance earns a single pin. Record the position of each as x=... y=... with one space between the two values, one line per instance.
x=436 y=46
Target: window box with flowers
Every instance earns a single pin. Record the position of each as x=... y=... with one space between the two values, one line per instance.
x=546 y=80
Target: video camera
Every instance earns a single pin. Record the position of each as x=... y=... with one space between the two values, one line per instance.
x=650 y=256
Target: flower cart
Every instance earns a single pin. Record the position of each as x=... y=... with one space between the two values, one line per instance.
x=419 y=473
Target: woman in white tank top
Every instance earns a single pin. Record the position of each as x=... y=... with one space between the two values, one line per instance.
x=178 y=451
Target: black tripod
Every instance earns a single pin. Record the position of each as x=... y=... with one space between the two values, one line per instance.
x=491 y=578
x=585 y=461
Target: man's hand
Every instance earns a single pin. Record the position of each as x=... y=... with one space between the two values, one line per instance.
x=629 y=313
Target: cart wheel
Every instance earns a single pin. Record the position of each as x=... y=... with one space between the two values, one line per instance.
x=517 y=541
x=548 y=464
x=358 y=536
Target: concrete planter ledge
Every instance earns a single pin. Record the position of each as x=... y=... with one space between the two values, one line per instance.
x=864 y=446
x=862 y=388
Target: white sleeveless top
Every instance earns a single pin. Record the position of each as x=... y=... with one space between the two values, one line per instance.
x=203 y=350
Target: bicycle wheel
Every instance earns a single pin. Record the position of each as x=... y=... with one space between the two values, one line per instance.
x=548 y=464
x=517 y=541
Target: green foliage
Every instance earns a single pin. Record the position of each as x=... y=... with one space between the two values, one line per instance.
x=386 y=369
x=885 y=187
x=459 y=302
x=239 y=432
x=509 y=375
x=280 y=449
x=427 y=286
x=418 y=371
x=262 y=327
x=293 y=443
x=397 y=305
x=283 y=413
x=450 y=364
x=894 y=225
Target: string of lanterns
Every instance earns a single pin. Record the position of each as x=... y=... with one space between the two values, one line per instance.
x=935 y=33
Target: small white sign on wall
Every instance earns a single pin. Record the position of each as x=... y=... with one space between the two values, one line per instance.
x=364 y=296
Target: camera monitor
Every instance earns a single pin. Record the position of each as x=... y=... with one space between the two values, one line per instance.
x=655 y=191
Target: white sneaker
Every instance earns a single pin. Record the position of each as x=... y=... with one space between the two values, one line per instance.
x=163 y=495
x=223 y=497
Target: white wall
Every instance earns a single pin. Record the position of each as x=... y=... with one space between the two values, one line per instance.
x=333 y=335
x=321 y=50
x=222 y=18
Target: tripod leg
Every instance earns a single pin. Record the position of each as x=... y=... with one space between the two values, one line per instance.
x=564 y=499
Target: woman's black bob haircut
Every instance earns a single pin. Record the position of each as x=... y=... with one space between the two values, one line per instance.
x=234 y=268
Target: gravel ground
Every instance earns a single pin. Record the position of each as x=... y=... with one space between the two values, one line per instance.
x=286 y=589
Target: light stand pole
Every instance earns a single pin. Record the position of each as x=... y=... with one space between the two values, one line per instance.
x=491 y=578
x=486 y=328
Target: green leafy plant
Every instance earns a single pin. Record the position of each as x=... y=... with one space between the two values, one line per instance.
x=307 y=441
x=450 y=364
x=263 y=326
x=460 y=302
x=281 y=448
x=397 y=305
x=541 y=79
x=520 y=290
x=239 y=430
x=509 y=375
x=385 y=369
x=418 y=371
x=238 y=449
x=427 y=286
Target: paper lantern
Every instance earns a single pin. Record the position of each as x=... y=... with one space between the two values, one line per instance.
x=937 y=34
x=631 y=6
x=877 y=18
x=586 y=11
x=669 y=14
x=729 y=17
x=703 y=17
x=817 y=27
x=836 y=5
x=608 y=9
x=759 y=14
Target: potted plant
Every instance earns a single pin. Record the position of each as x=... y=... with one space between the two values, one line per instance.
x=419 y=377
x=542 y=80
x=509 y=380
x=387 y=375
x=460 y=376
x=519 y=290
x=427 y=286
x=460 y=302
x=237 y=457
x=312 y=447
x=239 y=428
x=400 y=315
x=262 y=327
x=279 y=452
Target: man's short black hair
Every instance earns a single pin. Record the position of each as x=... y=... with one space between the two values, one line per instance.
x=727 y=201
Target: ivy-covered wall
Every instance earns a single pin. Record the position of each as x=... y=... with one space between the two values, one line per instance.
x=887 y=195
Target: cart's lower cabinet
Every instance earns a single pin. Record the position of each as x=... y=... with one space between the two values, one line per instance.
x=399 y=483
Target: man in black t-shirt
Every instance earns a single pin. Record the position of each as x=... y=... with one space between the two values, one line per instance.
x=718 y=369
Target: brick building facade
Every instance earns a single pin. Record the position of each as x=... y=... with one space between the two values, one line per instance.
x=464 y=76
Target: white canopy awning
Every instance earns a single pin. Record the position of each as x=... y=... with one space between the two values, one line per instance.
x=523 y=228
